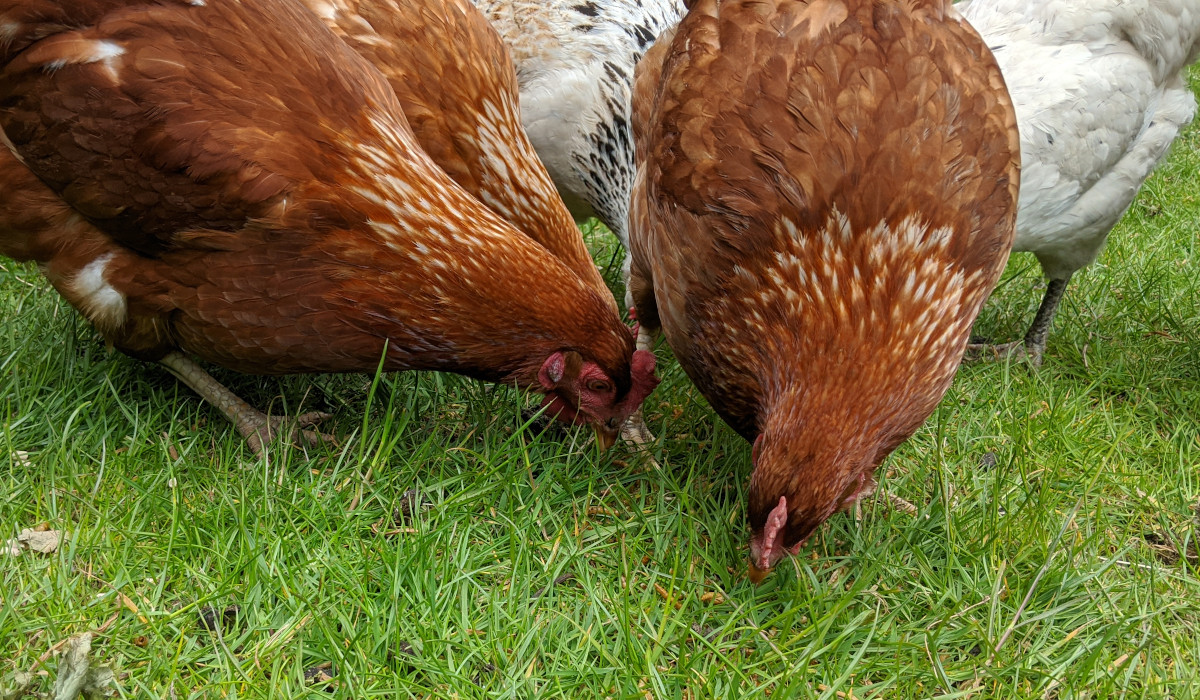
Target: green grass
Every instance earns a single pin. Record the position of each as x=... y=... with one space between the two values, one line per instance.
x=1045 y=560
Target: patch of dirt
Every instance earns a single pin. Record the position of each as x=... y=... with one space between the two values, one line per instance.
x=322 y=676
x=219 y=621
x=1167 y=550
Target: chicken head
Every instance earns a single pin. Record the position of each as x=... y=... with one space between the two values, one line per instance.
x=579 y=391
x=784 y=513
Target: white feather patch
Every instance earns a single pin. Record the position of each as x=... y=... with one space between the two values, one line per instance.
x=103 y=305
x=8 y=32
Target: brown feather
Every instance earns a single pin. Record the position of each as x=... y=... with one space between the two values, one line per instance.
x=455 y=81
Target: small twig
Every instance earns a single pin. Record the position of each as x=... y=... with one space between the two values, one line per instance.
x=49 y=652
x=902 y=505
x=769 y=642
x=933 y=664
x=561 y=579
x=124 y=599
x=102 y=628
x=395 y=531
x=1122 y=562
x=62 y=642
x=1020 y=609
x=29 y=643
x=25 y=282
x=1120 y=660
x=358 y=491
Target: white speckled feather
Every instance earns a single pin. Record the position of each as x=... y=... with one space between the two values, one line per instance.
x=575 y=62
x=1100 y=97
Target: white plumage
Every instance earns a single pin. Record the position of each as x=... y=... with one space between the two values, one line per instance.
x=574 y=62
x=1100 y=96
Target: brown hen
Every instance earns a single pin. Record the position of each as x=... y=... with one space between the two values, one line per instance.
x=826 y=194
x=230 y=180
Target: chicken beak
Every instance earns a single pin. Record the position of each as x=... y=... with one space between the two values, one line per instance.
x=758 y=575
x=605 y=437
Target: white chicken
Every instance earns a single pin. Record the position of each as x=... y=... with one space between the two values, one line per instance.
x=1100 y=96
x=574 y=62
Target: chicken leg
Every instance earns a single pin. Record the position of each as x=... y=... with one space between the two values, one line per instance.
x=1033 y=345
x=635 y=431
x=257 y=427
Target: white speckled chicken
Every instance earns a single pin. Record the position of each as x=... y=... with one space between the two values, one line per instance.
x=575 y=61
x=1100 y=96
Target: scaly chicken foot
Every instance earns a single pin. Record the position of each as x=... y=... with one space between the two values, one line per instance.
x=1035 y=338
x=637 y=434
x=256 y=427
x=1033 y=346
x=635 y=431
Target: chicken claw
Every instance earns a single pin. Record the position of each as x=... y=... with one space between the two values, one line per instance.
x=260 y=429
x=637 y=434
x=635 y=431
x=256 y=427
x=1016 y=350
x=1033 y=346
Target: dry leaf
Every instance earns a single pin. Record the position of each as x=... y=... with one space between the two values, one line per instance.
x=44 y=542
x=41 y=541
x=16 y=685
x=171 y=451
x=77 y=676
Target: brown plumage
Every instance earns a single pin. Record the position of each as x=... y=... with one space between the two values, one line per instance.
x=825 y=196
x=455 y=81
x=231 y=180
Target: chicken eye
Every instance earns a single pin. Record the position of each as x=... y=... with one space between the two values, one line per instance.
x=599 y=386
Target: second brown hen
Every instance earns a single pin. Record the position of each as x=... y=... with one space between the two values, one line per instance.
x=230 y=180
x=826 y=194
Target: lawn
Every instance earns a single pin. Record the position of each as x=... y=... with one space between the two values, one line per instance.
x=450 y=548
